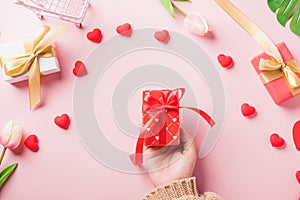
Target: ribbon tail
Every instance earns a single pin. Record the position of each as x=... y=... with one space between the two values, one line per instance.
x=137 y=157
x=203 y=114
x=291 y=77
x=34 y=84
x=49 y=37
x=41 y=33
x=252 y=29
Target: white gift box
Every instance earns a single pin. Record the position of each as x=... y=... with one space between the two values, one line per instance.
x=48 y=65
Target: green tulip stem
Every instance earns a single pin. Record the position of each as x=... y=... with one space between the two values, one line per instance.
x=2 y=154
x=179 y=10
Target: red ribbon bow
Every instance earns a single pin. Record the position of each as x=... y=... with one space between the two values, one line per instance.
x=157 y=109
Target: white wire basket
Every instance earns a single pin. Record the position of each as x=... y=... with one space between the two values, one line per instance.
x=69 y=10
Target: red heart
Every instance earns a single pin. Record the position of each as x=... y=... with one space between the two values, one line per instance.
x=32 y=143
x=225 y=61
x=95 y=35
x=298 y=176
x=247 y=110
x=276 y=140
x=79 y=69
x=62 y=121
x=124 y=29
x=296 y=135
x=162 y=36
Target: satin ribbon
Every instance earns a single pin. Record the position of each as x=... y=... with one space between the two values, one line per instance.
x=169 y=101
x=28 y=61
x=273 y=70
x=274 y=67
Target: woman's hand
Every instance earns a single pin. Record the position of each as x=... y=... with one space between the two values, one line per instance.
x=171 y=163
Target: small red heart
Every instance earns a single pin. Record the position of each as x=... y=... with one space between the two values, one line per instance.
x=296 y=135
x=162 y=36
x=276 y=140
x=298 y=176
x=79 y=69
x=32 y=143
x=247 y=110
x=95 y=35
x=124 y=29
x=225 y=61
x=62 y=121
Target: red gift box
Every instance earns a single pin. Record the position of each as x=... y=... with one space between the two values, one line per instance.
x=276 y=82
x=161 y=123
x=164 y=128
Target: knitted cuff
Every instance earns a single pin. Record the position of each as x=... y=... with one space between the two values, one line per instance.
x=174 y=190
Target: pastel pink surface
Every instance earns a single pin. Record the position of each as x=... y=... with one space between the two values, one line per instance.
x=278 y=88
x=242 y=164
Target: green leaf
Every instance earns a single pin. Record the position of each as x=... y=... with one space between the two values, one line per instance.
x=295 y=23
x=168 y=5
x=286 y=10
x=5 y=174
x=274 y=4
x=183 y=0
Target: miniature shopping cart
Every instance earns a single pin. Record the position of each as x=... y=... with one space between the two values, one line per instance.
x=69 y=10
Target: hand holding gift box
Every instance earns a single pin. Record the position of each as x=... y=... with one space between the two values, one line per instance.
x=36 y=56
x=161 y=124
x=276 y=67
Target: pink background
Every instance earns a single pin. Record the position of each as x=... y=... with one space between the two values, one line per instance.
x=242 y=165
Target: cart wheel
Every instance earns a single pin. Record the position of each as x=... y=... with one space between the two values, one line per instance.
x=41 y=17
x=79 y=25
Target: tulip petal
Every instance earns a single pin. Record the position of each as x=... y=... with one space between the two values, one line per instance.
x=12 y=135
x=5 y=135
x=196 y=24
x=15 y=137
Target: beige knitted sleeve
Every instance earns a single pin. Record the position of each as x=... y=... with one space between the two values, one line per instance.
x=180 y=190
